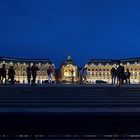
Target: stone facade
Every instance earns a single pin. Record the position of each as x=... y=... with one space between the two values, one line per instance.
x=69 y=71
x=20 y=66
x=99 y=69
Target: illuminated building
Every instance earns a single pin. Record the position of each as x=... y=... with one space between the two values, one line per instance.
x=99 y=69
x=20 y=66
x=69 y=71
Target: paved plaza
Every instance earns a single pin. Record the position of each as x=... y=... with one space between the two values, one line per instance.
x=66 y=98
x=67 y=109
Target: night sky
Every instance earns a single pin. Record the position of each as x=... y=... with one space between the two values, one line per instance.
x=85 y=28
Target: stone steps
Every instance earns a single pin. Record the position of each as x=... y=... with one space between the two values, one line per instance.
x=69 y=96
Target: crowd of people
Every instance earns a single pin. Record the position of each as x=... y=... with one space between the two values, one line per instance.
x=7 y=76
x=32 y=73
x=3 y=73
x=120 y=76
x=82 y=75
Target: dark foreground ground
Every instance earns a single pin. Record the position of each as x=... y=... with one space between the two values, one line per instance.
x=70 y=112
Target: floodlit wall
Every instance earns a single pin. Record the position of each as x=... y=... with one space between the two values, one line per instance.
x=102 y=71
x=20 y=69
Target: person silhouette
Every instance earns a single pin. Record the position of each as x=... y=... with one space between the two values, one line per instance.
x=113 y=75
x=34 y=70
x=72 y=75
x=85 y=75
x=49 y=73
x=11 y=75
x=3 y=72
x=28 y=71
x=80 y=75
x=120 y=74
x=127 y=76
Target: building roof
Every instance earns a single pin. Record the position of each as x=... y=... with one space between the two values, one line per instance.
x=23 y=60
x=69 y=61
x=130 y=60
x=103 y=61
x=114 y=61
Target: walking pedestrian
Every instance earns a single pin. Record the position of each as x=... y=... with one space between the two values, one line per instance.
x=11 y=75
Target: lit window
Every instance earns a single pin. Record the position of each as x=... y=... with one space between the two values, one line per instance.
x=11 y=63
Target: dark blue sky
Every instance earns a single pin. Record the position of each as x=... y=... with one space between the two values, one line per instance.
x=86 y=28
